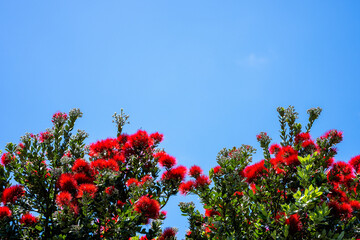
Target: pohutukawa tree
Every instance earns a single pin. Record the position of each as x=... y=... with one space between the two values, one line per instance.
x=298 y=190
x=52 y=186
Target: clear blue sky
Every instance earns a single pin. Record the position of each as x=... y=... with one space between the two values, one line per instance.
x=207 y=74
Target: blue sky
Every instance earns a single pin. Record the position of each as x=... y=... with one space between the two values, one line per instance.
x=207 y=74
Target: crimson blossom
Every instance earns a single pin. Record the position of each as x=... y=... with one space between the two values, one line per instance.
x=4 y=212
x=297 y=191
x=148 y=207
x=13 y=193
x=110 y=189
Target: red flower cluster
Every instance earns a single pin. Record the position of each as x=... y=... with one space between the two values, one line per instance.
x=81 y=166
x=101 y=164
x=28 y=219
x=211 y=212
x=132 y=181
x=334 y=136
x=157 y=137
x=165 y=160
x=195 y=171
x=274 y=149
x=135 y=182
x=147 y=207
x=4 y=212
x=168 y=233
x=140 y=140
x=340 y=210
x=341 y=172
x=59 y=117
x=87 y=188
x=44 y=136
x=341 y=178
x=288 y=156
x=295 y=223
x=186 y=187
x=63 y=199
x=107 y=147
x=355 y=163
x=255 y=171
x=11 y=194
x=83 y=178
x=110 y=190
x=202 y=181
x=176 y=174
x=217 y=170
x=6 y=158
x=301 y=137
x=67 y=183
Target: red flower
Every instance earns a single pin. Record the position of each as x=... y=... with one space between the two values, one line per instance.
x=102 y=164
x=119 y=158
x=217 y=170
x=143 y=238
x=165 y=160
x=82 y=178
x=346 y=210
x=255 y=171
x=127 y=150
x=211 y=213
x=177 y=174
x=106 y=147
x=63 y=199
x=237 y=193
x=59 y=116
x=355 y=204
x=120 y=203
x=274 y=149
x=201 y=181
x=81 y=166
x=195 y=171
x=44 y=136
x=4 y=212
x=11 y=194
x=289 y=156
x=74 y=208
x=168 y=233
x=329 y=162
x=87 y=188
x=341 y=172
x=67 y=182
x=301 y=137
x=147 y=207
x=337 y=194
x=146 y=178
x=163 y=213
x=157 y=137
x=342 y=211
x=140 y=140
x=295 y=223
x=334 y=136
x=109 y=190
x=28 y=219
x=355 y=163
x=186 y=187
x=98 y=164
x=309 y=144
x=253 y=187
x=132 y=181
x=6 y=158
x=112 y=165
